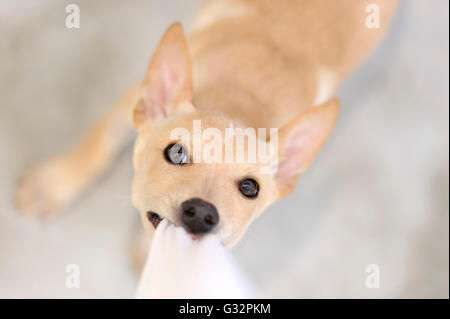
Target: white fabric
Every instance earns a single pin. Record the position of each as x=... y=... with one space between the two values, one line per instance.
x=180 y=267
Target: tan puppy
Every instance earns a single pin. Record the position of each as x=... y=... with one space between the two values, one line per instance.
x=255 y=63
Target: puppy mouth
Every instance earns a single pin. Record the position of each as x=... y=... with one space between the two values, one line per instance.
x=154 y=218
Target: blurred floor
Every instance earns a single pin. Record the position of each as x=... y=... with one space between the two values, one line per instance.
x=377 y=194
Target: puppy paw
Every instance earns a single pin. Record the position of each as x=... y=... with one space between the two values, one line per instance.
x=44 y=190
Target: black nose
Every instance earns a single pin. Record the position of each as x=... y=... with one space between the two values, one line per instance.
x=198 y=215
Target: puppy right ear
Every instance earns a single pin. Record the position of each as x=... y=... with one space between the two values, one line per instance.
x=168 y=81
x=300 y=140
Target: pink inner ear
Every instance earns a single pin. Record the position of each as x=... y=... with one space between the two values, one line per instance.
x=293 y=157
x=164 y=83
x=154 y=100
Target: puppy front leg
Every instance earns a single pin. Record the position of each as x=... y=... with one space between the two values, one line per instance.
x=51 y=185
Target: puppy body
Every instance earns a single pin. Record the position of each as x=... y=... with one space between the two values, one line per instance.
x=247 y=63
x=278 y=58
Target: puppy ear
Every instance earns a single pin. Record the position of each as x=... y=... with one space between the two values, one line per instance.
x=300 y=140
x=168 y=81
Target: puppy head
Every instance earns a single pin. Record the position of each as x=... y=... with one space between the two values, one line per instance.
x=187 y=177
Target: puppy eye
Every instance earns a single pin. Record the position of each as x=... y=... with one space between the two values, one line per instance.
x=249 y=187
x=176 y=154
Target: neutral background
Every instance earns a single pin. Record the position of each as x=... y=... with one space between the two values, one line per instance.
x=378 y=192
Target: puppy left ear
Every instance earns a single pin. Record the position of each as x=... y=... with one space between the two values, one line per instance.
x=300 y=140
x=168 y=81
